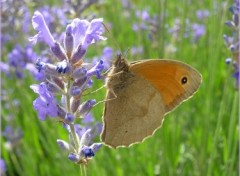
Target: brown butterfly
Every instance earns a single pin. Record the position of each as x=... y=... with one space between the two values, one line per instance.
x=140 y=94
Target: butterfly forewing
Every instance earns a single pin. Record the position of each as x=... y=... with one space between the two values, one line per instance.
x=174 y=80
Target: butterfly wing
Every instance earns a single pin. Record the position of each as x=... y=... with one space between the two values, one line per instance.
x=134 y=115
x=174 y=80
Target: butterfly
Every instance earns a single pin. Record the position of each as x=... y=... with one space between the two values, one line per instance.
x=140 y=94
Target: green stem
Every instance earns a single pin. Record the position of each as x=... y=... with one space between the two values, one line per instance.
x=73 y=133
x=74 y=136
x=68 y=96
x=83 y=170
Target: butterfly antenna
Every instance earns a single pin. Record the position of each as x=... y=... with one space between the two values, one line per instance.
x=126 y=53
x=114 y=40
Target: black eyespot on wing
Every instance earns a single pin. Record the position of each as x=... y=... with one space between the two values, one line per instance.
x=184 y=80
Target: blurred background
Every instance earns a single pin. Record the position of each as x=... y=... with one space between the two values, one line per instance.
x=200 y=137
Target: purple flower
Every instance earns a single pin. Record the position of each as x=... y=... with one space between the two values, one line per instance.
x=198 y=31
x=5 y=68
x=95 y=70
x=106 y=57
x=38 y=75
x=87 y=151
x=201 y=14
x=40 y=25
x=86 y=33
x=236 y=76
x=232 y=41
x=86 y=107
x=13 y=137
x=88 y=118
x=2 y=167
x=45 y=104
x=135 y=27
x=143 y=15
x=136 y=50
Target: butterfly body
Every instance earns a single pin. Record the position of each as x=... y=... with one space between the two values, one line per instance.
x=140 y=94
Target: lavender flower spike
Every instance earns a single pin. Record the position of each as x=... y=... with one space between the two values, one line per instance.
x=40 y=25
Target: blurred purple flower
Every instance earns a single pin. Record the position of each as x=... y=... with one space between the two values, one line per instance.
x=198 y=31
x=107 y=57
x=5 y=68
x=88 y=118
x=136 y=50
x=232 y=41
x=201 y=14
x=13 y=137
x=3 y=167
x=18 y=60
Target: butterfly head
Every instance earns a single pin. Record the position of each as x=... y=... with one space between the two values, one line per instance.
x=120 y=64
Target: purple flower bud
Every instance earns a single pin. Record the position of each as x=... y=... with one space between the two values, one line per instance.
x=227 y=39
x=63 y=100
x=53 y=88
x=39 y=65
x=80 y=82
x=89 y=83
x=48 y=68
x=96 y=146
x=233 y=48
x=64 y=145
x=236 y=19
x=96 y=69
x=68 y=41
x=40 y=25
x=61 y=113
x=58 y=51
x=78 y=54
x=75 y=91
x=87 y=152
x=230 y=24
x=96 y=129
x=64 y=67
x=79 y=72
x=228 y=60
x=86 y=106
x=79 y=130
x=75 y=103
x=86 y=138
x=58 y=82
x=73 y=157
x=69 y=118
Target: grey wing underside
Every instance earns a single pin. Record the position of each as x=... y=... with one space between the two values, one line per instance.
x=134 y=115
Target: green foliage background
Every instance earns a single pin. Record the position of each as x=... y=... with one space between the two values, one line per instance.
x=200 y=137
